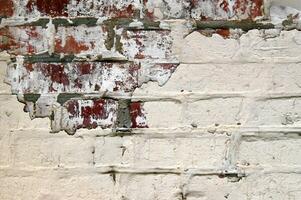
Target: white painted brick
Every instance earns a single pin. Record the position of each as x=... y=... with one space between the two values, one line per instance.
x=161 y=114
x=50 y=151
x=257 y=186
x=53 y=185
x=210 y=112
x=285 y=78
x=149 y=187
x=275 y=112
x=251 y=47
x=201 y=49
x=5 y=152
x=230 y=78
x=274 y=152
x=66 y=151
x=113 y=151
x=12 y=115
x=220 y=111
x=204 y=152
x=211 y=188
x=4 y=88
x=214 y=78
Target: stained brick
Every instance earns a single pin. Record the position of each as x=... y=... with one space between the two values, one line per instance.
x=93 y=113
x=226 y=9
x=80 y=39
x=137 y=114
x=140 y=44
x=79 y=77
x=6 y=8
x=204 y=9
x=104 y=8
x=49 y=7
x=95 y=41
x=74 y=8
x=24 y=40
x=148 y=9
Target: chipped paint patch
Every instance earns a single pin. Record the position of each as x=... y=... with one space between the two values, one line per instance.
x=24 y=40
x=137 y=113
x=80 y=39
x=151 y=45
x=88 y=114
x=204 y=9
x=75 y=77
x=76 y=8
x=227 y=9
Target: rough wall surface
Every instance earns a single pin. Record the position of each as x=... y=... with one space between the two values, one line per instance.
x=167 y=100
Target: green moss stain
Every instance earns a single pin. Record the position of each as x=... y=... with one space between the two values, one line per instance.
x=63 y=97
x=31 y=97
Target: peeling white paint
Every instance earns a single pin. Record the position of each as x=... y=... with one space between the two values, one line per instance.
x=50 y=35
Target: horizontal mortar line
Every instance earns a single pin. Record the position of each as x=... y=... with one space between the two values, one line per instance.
x=245 y=25
x=268 y=169
x=177 y=95
x=44 y=57
x=233 y=24
x=196 y=96
x=81 y=20
x=72 y=58
x=230 y=61
x=214 y=131
x=175 y=132
x=187 y=97
x=11 y=171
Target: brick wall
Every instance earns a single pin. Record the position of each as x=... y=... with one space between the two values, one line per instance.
x=152 y=99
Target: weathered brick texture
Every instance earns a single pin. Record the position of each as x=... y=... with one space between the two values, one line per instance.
x=161 y=99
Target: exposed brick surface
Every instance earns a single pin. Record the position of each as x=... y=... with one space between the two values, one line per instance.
x=75 y=77
x=74 y=8
x=149 y=9
x=6 y=8
x=24 y=40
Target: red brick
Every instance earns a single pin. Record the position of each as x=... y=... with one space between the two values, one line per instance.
x=91 y=113
x=23 y=40
x=80 y=39
x=51 y=8
x=196 y=9
x=6 y=8
x=104 y=8
x=134 y=44
x=137 y=115
x=95 y=8
x=226 y=9
x=141 y=44
x=76 y=77
x=206 y=9
x=71 y=46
